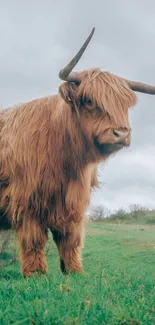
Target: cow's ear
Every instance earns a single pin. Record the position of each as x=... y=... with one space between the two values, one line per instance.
x=68 y=91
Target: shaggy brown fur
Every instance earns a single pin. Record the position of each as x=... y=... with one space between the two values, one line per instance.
x=50 y=148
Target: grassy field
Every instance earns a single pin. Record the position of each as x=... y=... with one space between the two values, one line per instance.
x=118 y=288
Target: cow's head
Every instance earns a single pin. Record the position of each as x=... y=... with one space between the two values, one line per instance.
x=101 y=100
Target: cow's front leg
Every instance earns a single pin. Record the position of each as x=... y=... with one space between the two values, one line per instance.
x=70 y=244
x=32 y=238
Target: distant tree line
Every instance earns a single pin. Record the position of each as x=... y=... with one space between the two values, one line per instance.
x=135 y=211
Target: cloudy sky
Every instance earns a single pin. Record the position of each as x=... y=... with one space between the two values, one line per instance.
x=39 y=37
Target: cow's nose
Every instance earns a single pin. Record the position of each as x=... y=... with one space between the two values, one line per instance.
x=122 y=136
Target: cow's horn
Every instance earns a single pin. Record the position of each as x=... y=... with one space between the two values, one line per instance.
x=141 y=87
x=64 y=74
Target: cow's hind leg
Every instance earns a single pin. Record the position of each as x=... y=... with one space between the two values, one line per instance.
x=32 y=238
x=70 y=245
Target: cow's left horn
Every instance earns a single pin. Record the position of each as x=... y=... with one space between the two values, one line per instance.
x=64 y=74
x=141 y=87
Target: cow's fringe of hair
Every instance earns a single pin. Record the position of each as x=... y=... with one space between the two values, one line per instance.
x=109 y=92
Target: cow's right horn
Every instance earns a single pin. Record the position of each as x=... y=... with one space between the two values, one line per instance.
x=141 y=87
x=64 y=74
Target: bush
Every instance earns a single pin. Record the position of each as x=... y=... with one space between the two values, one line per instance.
x=97 y=213
x=5 y=237
x=120 y=214
x=151 y=220
x=136 y=210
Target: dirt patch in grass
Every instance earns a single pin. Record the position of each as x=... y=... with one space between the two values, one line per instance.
x=96 y=232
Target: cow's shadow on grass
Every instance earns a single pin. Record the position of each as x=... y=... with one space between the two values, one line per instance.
x=10 y=274
x=8 y=260
x=5 y=256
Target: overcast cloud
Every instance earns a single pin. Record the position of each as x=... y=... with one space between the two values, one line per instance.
x=37 y=40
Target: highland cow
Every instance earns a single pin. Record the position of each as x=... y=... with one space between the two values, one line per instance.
x=49 y=152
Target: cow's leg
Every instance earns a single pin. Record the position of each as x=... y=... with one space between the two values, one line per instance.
x=70 y=246
x=32 y=238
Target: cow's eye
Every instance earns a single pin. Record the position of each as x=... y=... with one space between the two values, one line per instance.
x=89 y=101
x=86 y=101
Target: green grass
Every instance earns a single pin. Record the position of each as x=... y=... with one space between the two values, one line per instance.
x=118 y=288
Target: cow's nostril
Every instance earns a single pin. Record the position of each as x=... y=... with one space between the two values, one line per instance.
x=121 y=134
x=116 y=133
